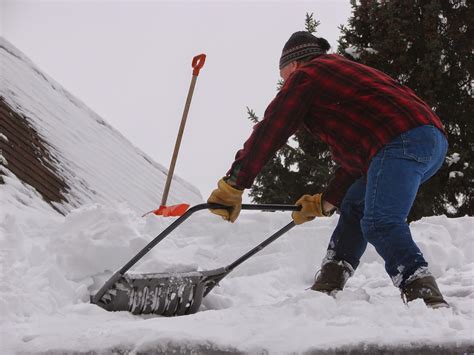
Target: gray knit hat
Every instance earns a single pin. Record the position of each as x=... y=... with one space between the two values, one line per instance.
x=300 y=45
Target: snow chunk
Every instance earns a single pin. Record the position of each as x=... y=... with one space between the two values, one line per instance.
x=355 y=52
x=455 y=174
x=453 y=159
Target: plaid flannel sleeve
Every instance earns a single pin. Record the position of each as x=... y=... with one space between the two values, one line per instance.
x=282 y=119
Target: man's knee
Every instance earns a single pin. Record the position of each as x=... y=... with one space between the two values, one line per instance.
x=353 y=209
x=376 y=227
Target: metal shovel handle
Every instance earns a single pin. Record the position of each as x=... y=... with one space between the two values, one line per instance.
x=192 y=210
x=189 y=212
x=212 y=280
x=173 y=226
x=250 y=207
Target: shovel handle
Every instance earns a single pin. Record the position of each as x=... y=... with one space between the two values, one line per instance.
x=252 y=207
x=189 y=212
x=198 y=63
x=203 y=206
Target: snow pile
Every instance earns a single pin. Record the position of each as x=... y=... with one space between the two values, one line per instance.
x=99 y=164
x=52 y=263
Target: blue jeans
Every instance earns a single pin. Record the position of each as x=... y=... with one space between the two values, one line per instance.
x=376 y=206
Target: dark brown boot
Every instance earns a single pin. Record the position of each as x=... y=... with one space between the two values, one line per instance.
x=426 y=289
x=332 y=277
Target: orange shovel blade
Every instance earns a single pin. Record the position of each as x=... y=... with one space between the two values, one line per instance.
x=172 y=211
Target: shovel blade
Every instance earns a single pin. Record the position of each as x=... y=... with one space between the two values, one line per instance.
x=164 y=294
x=172 y=211
x=160 y=294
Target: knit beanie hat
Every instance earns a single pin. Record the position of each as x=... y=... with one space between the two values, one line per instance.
x=300 y=45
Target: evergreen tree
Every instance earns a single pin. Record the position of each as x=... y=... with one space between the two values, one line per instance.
x=424 y=44
x=301 y=166
x=428 y=46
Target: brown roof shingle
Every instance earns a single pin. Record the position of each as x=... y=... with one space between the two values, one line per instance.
x=28 y=156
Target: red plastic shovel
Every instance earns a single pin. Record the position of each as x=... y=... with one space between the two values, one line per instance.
x=179 y=210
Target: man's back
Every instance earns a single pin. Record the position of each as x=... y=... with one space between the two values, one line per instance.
x=357 y=109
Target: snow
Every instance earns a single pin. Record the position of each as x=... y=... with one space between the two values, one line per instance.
x=355 y=52
x=453 y=158
x=455 y=174
x=51 y=263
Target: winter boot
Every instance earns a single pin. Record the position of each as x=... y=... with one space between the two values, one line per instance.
x=332 y=277
x=426 y=289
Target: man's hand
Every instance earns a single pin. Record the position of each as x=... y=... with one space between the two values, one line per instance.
x=226 y=195
x=311 y=207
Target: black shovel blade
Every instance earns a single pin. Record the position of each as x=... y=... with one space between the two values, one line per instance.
x=162 y=294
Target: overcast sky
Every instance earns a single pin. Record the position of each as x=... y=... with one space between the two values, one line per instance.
x=130 y=61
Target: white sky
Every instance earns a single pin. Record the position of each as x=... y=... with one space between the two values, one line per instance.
x=130 y=61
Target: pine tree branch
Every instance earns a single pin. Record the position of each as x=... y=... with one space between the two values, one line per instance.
x=310 y=23
x=252 y=116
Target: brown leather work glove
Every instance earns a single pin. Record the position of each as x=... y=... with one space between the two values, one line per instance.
x=228 y=196
x=312 y=207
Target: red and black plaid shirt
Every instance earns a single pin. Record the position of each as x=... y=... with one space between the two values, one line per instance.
x=353 y=108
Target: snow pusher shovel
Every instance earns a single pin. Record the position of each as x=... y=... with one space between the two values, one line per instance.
x=173 y=294
x=179 y=210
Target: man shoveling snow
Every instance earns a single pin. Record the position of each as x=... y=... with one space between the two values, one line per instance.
x=386 y=142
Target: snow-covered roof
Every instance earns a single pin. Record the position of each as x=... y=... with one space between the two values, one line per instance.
x=71 y=156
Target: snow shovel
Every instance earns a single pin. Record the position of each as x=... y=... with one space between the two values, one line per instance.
x=179 y=210
x=173 y=294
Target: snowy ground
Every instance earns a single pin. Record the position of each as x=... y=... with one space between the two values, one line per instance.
x=51 y=264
